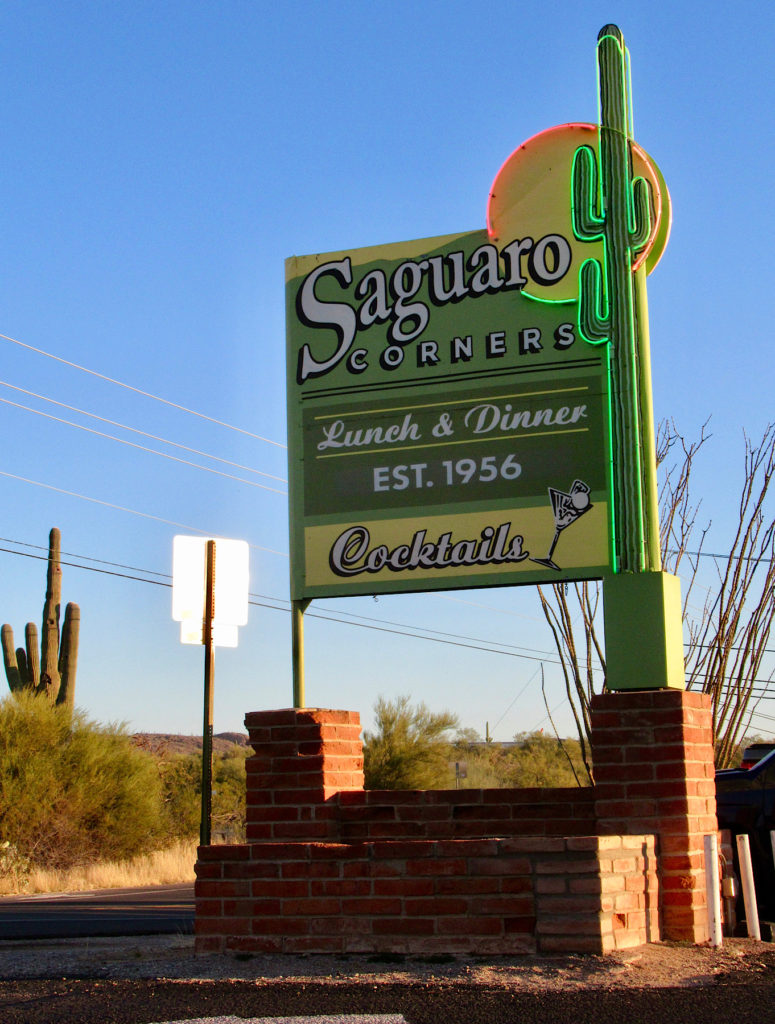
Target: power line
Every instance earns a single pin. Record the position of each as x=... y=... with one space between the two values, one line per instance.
x=141 y=447
x=85 y=558
x=511 y=705
x=212 y=419
x=547 y=717
x=139 y=391
x=122 y=575
x=712 y=647
x=740 y=558
x=88 y=568
x=136 y=430
x=487 y=607
x=548 y=655
x=476 y=644
x=761 y=714
x=132 y=511
x=436 y=635
x=495 y=648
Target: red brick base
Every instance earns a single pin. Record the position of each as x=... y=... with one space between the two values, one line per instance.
x=331 y=868
x=653 y=757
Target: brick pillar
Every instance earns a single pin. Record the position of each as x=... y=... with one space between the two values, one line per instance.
x=652 y=752
x=302 y=758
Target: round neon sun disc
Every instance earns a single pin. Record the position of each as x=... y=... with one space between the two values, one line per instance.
x=531 y=198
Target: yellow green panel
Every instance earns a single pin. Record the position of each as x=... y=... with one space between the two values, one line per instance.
x=496 y=546
x=643 y=632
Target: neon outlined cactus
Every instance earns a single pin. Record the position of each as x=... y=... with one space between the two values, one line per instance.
x=53 y=672
x=609 y=203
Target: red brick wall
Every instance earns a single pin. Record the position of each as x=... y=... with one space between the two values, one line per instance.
x=303 y=759
x=449 y=814
x=331 y=868
x=305 y=782
x=495 y=896
x=653 y=757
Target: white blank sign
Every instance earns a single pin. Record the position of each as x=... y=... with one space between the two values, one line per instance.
x=230 y=588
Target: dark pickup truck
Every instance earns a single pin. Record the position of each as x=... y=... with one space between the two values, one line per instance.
x=745 y=802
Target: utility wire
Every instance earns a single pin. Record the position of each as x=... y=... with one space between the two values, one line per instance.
x=549 y=655
x=139 y=391
x=511 y=705
x=87 y=568
x=368 y=624
x=761 y=714
x=168 y=576
x=135 y=430
x=487 y=607
x=84 y=558
x=146 y=515
x=547 y=717
x=122 y=575
x=475 y=644
x=221 y=423
x=142 y=448
x=132 y=511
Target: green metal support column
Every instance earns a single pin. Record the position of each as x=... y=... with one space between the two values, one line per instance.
x=297 y=627
x=648 y=439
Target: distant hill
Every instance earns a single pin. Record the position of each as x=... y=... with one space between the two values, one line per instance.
x=160 y=743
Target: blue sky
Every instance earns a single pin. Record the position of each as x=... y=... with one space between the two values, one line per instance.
x=160 y=162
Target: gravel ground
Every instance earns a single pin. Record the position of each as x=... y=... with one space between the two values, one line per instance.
x=172 y=957
x=159 y=980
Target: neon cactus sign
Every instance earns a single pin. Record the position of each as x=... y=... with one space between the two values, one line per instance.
x=615 y=206
x=608 y=295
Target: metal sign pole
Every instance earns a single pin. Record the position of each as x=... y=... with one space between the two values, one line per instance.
x=207 y=729
x=297 y=654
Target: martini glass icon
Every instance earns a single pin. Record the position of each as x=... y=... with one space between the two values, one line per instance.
x=567 y=506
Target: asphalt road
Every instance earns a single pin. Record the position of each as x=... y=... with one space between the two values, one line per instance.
x=143 y=1002
x=159 y=910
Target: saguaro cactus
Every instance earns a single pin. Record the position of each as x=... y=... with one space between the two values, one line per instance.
x=610 y=203
x=53 y=671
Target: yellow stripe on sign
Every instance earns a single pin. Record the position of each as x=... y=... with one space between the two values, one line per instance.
x=412 y=407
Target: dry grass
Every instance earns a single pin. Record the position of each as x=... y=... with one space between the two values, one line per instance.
x=175 y=864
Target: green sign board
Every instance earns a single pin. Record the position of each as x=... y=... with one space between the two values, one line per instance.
x=434 y=412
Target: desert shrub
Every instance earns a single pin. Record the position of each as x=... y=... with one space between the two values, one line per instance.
x=14 y=868
x=73 y=791
x=181 y=778
x=410 y=748
x=229 y=795
x=540 y=760
x=531 y=760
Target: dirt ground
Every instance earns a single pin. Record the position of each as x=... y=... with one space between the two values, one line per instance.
x=158 y=979
x=657 y=965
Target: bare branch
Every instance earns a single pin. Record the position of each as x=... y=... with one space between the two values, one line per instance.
x=728 y=632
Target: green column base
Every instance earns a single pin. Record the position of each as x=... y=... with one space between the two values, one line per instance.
x=643 y=632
